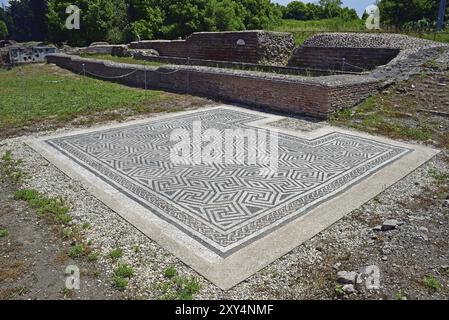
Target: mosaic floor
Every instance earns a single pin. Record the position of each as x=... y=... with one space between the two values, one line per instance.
x=224 y=208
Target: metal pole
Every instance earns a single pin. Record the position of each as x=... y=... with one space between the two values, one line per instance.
x=187 y=83
x=24 y=89
x=145 y=76
x=85 y=83
x=441 y=14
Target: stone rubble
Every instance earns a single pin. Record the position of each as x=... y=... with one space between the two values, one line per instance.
x=369 y=40
x=390 y=224
x=347 y=277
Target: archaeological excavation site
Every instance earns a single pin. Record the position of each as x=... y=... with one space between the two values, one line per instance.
x=264 y=69
x=166 y=158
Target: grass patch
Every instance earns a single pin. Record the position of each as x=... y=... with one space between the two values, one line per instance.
x=124 y=271
x=92 y=257
x=76 y=251
x=170 y=272
x=302 y=30
x=432 y=283
x=3 y=233
x=120 y=283
x=53 y=208
x=440 y=37
x=13 y=293
x=129 y=60
x=85 y=226
x=441 y=178
x=378 y=115
x=7 y=156
x=339 y=290
x=10 y=168
x=116 y=253
x=400 y=296
x=180 y=288
x=121 y=276
x=48 y=93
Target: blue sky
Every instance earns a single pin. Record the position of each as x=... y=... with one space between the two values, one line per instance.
x=359 y=5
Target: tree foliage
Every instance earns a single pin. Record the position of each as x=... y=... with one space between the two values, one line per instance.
x=118 y=21
x=400 y=13
x=100 y=20
x=3 y=30
x=325 y=9
x=25 y=19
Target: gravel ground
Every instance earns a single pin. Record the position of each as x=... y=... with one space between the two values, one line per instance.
x=404 y=255
x=369 y=40
x=411 y=62
x=298 y=124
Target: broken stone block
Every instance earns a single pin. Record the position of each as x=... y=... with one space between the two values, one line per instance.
x=390 y=224
x=347 y=277
x=348 y=288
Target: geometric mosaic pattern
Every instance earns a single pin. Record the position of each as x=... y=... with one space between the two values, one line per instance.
x=225 y=207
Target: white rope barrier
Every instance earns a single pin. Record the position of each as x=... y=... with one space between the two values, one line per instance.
x=351 y=65
x=112 y=77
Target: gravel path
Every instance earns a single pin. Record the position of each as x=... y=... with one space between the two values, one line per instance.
x=309 y=271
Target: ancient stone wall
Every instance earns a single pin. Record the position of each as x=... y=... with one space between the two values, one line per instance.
x=99 y=49
x=263 y=47
x=241 y=66
x=346 y=59
x=315 y=96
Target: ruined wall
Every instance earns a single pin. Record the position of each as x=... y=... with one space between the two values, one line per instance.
x=347 y=59
x=245 y=46
x=319 y=96
x=99 y=49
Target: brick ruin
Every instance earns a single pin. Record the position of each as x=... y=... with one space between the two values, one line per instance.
x=258 y=47
x=251 y=67
x=342 y=59
x=313 y=96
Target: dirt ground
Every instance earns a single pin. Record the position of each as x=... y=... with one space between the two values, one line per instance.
x=34 y=256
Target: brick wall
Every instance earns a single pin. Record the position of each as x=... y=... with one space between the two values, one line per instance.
x=241 y=66
x=318 y=96
x=332 y=58
x=255 y=46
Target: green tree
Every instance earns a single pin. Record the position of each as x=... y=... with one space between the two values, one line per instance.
x=101 y=20
x=331 y=8
x=314 y=11
x=349 y=14
x=223 y=15
x=398 y=13
x=125 y=20
x=146 y=19
x=3 y=30
x=26 y=19
x=183 y=17
x=296 y=10
x=324 y=3
x=260 y=14
x=326 y=9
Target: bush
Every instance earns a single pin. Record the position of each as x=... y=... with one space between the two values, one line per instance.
x=3 y=30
